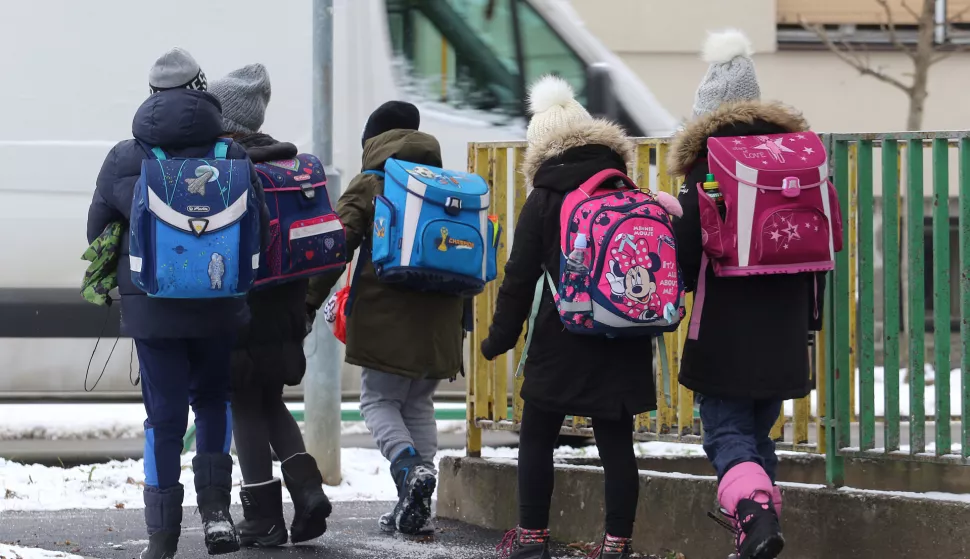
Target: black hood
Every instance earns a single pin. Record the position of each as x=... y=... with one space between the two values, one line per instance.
x=263 y=147
x=178 y=118
x=566 y=172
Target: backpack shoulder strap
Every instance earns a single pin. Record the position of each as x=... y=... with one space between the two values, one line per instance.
x=221 y=148
x=374 y=172
x=153 y=151
x=536 y=303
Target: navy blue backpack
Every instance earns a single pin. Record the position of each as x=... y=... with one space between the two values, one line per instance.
x=306 y=235
x=195 y=231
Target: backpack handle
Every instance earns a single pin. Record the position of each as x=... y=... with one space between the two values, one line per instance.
x=599 y=178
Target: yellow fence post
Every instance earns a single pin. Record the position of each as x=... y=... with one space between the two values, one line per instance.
x=520 y=194
x=499 y=205
x=473 y=434
x=853 y=248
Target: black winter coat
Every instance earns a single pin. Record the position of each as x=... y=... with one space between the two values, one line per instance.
x=752 y=339
x=269 y=351
x=567 y=373
x=184 y=123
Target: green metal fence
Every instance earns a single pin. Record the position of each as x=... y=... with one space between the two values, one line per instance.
x=854 y=292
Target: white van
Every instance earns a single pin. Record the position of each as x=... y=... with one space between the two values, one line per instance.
x=75 y=72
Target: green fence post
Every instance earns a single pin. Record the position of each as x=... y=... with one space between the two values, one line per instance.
x=916 y=325
x=838 y=393
x=890 y=290
x=965 y=294
x=941 y=291
x=866 y=342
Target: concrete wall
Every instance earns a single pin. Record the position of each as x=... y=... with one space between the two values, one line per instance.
x=672 y=514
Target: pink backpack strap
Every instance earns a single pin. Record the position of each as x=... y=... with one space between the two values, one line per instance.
x=599 y=178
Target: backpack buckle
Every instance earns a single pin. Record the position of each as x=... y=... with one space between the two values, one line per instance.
x=453 y=206
x=791 y=187
x=308 y=192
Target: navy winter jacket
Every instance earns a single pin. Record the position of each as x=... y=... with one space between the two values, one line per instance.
x=184 y=123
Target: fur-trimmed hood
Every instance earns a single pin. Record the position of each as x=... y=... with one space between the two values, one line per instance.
x=691 y=141
x=589 y=132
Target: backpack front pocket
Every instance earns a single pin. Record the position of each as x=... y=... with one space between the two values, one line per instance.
x=316 y=243
x=451 y=246
x=792 y=235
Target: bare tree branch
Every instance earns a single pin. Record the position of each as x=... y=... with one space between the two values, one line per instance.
x=911 y=11
x=847 y=54
x=957 y=16
x=890 y=28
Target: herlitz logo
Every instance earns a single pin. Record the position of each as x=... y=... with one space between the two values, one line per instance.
x=198 y=209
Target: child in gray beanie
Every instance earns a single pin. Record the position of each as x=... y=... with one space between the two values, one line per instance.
x=244 y=94
x=176 y=69
x=731 y=76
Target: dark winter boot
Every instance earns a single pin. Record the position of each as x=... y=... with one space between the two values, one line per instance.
x=213 y=484
x=415 y=486
x=163 y=517
x=305 y=484
x=524 y=544
x=757 y=532
x=263 y=508
x=613 y=548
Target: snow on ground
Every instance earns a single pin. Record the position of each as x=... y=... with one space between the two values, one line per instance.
x=119 y=484
x=124 y=421
x=14 y=552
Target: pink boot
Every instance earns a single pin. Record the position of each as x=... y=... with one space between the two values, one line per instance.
x=776 y=500
x=746 y=495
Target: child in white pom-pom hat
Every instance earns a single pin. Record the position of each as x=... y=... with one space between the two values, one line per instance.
x=607 y=379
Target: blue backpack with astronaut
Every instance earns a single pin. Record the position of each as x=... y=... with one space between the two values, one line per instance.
x=195 y=231
x=432 y=231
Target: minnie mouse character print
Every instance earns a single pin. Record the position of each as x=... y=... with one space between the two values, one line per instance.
x=632 y=279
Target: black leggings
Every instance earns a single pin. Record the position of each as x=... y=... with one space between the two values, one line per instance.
x=614 y=438
x=260 y=420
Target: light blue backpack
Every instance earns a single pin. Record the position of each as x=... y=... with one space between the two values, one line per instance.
x=432 y=231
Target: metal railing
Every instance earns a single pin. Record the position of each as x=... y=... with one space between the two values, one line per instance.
x=901 y=162
x=848 y=342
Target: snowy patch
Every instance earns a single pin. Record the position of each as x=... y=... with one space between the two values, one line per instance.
x=14 y=552
x=366 y=477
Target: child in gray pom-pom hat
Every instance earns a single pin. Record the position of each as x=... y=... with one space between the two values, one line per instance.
x=731 y=76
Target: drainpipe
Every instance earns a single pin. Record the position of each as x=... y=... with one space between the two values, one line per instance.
x=940 y=20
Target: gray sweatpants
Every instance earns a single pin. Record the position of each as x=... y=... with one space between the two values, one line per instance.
x=399 y=412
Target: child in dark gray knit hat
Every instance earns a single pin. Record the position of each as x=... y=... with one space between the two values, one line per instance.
x=244 y=94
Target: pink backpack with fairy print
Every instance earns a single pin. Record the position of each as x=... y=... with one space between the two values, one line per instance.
x=631 y=285
x=782 y=213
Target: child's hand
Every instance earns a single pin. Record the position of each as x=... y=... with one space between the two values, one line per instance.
x=487 y=352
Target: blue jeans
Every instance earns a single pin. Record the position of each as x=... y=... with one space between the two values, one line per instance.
x=738 y=431
x=177 y=373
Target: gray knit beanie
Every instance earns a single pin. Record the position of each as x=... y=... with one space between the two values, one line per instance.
x=731 y=76
x=244 y=94
x=176 y=69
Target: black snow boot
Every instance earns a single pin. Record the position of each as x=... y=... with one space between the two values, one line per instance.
x=757 y=530
x=524 y=544
x=415 y=486
x=213 y=484
x=263 y=508
x=163 y=517
x=311 y=505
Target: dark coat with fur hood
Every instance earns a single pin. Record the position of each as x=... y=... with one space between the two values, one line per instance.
x=752 y=341
x=566 y=373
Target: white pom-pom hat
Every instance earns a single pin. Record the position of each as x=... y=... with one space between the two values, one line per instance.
x=553 y=106
x=731 y=76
